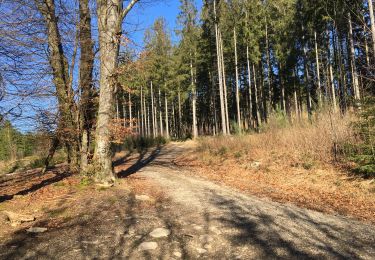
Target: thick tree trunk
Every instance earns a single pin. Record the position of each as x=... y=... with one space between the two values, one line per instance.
x=110 y=17
x=67 y=131
x=109 y=29
x=85 y=80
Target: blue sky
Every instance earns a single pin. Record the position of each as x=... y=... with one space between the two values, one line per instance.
x=144 y=16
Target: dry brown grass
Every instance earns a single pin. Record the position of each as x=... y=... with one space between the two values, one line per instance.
x=301 y=141
x=289 y=164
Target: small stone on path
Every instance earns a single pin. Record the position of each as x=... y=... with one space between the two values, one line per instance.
x=201 y=250
x=142 y=197
x=208 y=246
x=160 y=232
x=215 y=230
x=255 y=165
x=148 y=246
x=36 y=230
x=196 y=227
x=177 y=254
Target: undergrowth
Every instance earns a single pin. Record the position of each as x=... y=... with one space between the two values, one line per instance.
x=326 y=139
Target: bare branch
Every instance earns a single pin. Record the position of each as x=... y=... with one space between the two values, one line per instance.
x=128 y=8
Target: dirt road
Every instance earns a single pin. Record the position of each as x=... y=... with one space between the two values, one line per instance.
x=258 y=228
x=201 y=220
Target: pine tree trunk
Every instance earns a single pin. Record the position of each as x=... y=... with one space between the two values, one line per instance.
x=194 y=101
x=173 y=131
x=331 y=78
x=224 y=84
x=142 y=114
x=148 y=120
x=366 y=47
x=153 y=113
x=160 y=116
x=117 y=109
x=283 y=102
x=357 y=96
x=296 y=110
x=179 y=113
x=256 y=99
x=237 y=81
x=130 y=112
x=249 y=85
x=371 y=12
x=268 y=67
x=166 y=117
x=124 y=111
x=319 y=88
x=221 y=90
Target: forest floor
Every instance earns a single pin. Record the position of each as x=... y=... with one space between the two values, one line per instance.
x=199 y=218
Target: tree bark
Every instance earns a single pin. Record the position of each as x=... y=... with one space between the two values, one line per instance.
x=166 y=117
x=256 y=99
x=224 y=84
x=179 y=113
x=153 y=113
x=319 y=89
x=371 y=11
x=160 y=116
x=110 y=17
x=331 y=78
x=249 y=82
x=194 y=101
x=221 y=91
x=237 y=81
x=67 y=131
x=355 y=82
x=85 y=80
x=130 y=112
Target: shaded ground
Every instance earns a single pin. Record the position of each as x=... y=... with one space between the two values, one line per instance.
x=206 y=220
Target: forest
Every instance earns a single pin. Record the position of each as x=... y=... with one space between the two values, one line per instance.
x=267 y=98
